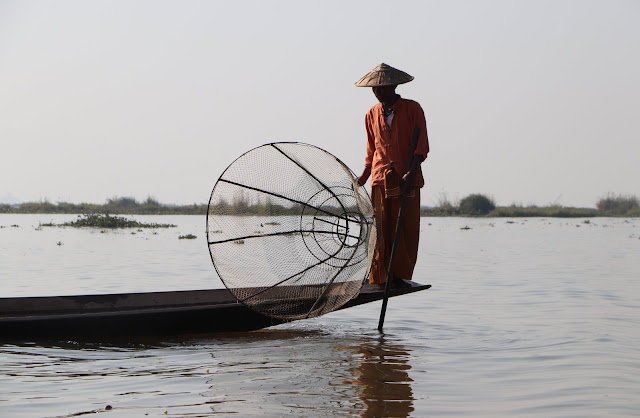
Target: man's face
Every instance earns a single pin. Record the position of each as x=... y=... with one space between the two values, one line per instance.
x=385 y=94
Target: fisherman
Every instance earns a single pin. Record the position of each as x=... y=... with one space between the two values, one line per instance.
x=390 y=126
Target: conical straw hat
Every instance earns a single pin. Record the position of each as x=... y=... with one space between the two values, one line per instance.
x=384 y=75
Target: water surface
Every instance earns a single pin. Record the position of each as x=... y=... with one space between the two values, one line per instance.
x=526 y=317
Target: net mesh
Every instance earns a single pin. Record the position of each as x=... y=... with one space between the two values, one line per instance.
x=289 y=231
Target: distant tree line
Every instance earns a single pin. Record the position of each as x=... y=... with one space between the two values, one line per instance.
x=238 y=205
x=267 y=208
x=619 y=205
x=241 y=205
x=471 y=205
x=482 y=205
x=114 y=206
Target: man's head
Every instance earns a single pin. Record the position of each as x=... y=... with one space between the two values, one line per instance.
x=385 y=94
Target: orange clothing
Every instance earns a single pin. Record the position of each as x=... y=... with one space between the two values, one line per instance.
x=387 y=146
x=386 y=211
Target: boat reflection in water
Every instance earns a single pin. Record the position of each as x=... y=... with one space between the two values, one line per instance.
x=383 y=378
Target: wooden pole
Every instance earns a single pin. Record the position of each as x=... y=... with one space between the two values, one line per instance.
x=394 y=248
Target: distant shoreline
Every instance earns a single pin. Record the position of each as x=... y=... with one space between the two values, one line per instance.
x=201 y=209
x=475 y=205
x=519 y=212
x=116 y=206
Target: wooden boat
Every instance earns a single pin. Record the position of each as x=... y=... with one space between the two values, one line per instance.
x=145 y=314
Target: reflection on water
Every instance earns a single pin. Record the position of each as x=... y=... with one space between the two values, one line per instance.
x=293 y=370
x=383 y=378
x=302 y=372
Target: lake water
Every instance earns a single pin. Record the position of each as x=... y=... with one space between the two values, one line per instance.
x=526 y=317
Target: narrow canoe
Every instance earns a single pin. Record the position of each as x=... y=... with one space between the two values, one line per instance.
x=145 y=314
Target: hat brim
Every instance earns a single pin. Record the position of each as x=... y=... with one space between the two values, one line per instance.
x=384 y=75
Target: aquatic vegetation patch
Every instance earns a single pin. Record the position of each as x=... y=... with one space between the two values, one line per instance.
x=188 y=236
x=108 y=221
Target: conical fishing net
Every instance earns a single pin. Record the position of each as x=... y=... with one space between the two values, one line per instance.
x=289 y=231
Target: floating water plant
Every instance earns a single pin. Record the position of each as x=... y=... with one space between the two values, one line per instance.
x=108 y=221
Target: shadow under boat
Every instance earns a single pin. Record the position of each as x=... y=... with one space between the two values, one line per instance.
x=144 y=314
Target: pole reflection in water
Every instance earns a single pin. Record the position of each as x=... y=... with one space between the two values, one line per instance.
x=383 y=378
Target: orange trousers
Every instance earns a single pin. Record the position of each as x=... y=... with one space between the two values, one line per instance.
x=386 y=210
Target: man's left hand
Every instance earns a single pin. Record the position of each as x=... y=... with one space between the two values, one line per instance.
x=409 y=177
x=407 y=182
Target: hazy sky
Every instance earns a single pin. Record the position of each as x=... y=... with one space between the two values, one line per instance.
x=531 y=102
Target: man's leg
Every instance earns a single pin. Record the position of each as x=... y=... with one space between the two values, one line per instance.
x=408 y=244
x=387 y=211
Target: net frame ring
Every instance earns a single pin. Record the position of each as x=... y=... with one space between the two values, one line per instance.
x=341 y=225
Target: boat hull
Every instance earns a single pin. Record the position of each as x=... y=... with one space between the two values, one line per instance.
x=145 y=314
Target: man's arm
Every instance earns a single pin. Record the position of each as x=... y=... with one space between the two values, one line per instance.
x=371 y=148
x=421 y=151
x=364 y=176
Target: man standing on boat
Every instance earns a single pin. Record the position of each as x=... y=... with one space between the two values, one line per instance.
x=390 y=126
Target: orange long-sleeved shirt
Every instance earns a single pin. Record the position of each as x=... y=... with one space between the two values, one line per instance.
x=392 y=145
